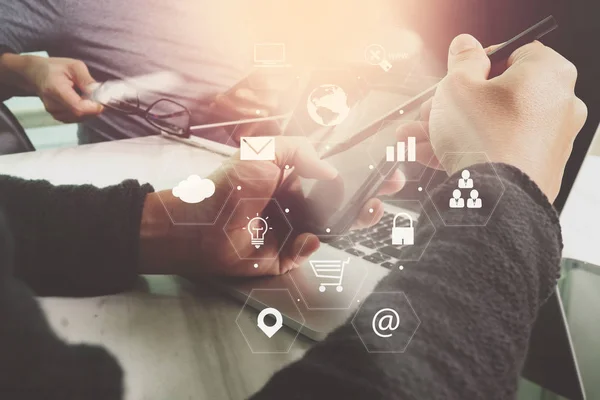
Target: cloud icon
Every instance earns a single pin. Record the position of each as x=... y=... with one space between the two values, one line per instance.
x=194 y=189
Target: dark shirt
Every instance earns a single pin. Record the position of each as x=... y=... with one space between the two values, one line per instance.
x=476 y=290
x=118 y=39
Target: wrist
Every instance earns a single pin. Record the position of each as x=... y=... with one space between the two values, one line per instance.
x=164 y=247
x=154 y=237
x=17 y=71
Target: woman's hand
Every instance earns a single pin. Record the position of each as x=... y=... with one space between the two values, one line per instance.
x=257 y=96
x=224 y=248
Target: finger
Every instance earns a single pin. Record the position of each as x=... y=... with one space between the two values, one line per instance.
x=527 y=52
x=229 y=108
x=425 y=111
x=392 y=184
x=252 y=98
x=81 y=76
x=303 y=246
x=298 y=152
x=369 y=215
x=467 y=57
x=71 y=101
x=424 y=151
x=245 y=130
x=417 y=129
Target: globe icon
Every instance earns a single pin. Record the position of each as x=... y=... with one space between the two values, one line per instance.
x=327 y=105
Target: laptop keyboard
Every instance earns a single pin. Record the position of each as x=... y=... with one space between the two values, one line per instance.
x=374 y=244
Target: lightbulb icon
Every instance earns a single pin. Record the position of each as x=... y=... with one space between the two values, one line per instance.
x=258 y=227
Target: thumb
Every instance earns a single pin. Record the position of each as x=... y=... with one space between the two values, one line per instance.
x=298 y=152
x=467 y=56
x=81 y=76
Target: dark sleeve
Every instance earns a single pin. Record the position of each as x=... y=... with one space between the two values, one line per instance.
x=476 y=291
x=35 y=364
x=74 y=240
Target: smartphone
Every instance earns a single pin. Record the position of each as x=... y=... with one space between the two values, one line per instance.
x=329 y=208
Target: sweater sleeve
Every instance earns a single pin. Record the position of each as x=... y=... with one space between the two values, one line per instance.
x=476 y=291
x=35 y=363
x=74 y=240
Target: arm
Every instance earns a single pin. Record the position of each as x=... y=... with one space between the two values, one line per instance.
x=476 y=290
x=74 y=240
x=30 y=25
x=25 y=26
x=34 y=362
x=12 y=68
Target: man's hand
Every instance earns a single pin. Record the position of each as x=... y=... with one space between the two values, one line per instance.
x=257 y=96
x=55 y=81
x=527 y=117
x=206 y=250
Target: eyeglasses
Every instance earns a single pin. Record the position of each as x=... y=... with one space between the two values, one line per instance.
x=164 y=114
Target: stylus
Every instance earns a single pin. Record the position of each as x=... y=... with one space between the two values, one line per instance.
x=239 y=122
x=500 y=53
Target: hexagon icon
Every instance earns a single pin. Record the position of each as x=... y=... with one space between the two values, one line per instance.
x=394 y=239
x=386 y=322
x=261 y=321
x=462 y=197
x=265 y=169
x=195 y=198
x=257 y=229
x=331 y=278
x=396 y=144
x=329 y=107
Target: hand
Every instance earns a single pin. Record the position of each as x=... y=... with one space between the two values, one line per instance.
x=257 y=96
x=527 y=117
x=54 y=80
x=206 y=250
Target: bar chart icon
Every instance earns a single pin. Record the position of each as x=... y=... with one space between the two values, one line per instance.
x=399 y=151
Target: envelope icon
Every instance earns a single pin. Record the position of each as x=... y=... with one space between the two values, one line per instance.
x=257 y=148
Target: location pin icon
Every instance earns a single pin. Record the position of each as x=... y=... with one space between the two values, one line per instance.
x=270 y=330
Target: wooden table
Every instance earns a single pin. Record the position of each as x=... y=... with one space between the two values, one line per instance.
x=180 y=341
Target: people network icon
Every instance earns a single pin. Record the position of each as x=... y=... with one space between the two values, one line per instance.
x=465 y=182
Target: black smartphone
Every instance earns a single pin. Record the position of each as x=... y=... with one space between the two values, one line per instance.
x=329 y=208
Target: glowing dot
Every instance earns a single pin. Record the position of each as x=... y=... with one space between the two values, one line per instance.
x=255 y=265
x=358 y=301
x=371 y=166
x=257 y=112
x=371 y=210
x=298 y=299
x=239 y=188
x=287 y=210
x=327 y=147
x=287 y=167
x=401 y=112
x=401 y=267
x=420 y=189
x=327 y=230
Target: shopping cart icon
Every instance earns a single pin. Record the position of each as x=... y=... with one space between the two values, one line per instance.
x=332 y=271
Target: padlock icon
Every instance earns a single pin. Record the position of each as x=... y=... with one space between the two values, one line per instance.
x=403 y=235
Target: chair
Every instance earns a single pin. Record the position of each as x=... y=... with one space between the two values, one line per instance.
x=13 y=138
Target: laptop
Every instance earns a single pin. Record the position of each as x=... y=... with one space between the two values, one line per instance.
x=328 y=295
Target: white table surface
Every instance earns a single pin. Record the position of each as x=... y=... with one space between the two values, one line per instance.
x=179 y=341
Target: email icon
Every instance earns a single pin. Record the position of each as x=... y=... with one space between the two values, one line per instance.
x=257 y=148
